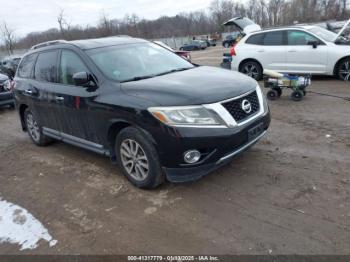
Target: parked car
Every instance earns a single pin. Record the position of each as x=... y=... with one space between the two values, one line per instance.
x=6 y=97
x=184 y=54
x=209 y=41
x=194 y=45
x=9 y=65
x=159 y=116
x=300 y=49
x=230 y=40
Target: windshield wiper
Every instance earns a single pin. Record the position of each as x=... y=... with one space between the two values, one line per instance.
x=137 y=78
x=174 y=70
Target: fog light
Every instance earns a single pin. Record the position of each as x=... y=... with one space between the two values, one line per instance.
x=192 y=156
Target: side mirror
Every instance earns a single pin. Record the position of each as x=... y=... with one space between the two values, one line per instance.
x=83 y=79
x=313 y=43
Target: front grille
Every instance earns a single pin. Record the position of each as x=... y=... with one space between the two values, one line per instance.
x=235 y=107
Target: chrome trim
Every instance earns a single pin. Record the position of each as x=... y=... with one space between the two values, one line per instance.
x=238 y=97
x=239 y=150
x=261 y=106
x=76 y=141
x=228 y=118
x=221 y=111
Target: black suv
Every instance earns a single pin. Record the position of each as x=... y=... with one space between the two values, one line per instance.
x=156 y=114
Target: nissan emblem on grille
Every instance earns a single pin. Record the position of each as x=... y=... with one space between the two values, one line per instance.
x=246 y=106
x=243 y=107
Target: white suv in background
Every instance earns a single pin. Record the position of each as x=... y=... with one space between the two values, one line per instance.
x=296 y=49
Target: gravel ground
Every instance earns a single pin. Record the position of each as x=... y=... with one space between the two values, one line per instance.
x=289 y=194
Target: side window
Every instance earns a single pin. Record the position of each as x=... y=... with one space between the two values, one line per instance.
x=26 y=66
x=46 y=67
x=273 y=38
x=70 y=64
x=255 y=39
x=300 y=38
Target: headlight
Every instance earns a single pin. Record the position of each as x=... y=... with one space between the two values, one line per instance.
x=187 y=115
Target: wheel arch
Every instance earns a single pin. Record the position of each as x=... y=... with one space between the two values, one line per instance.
x=247 y=60
x=337 y=64
x=116 y=126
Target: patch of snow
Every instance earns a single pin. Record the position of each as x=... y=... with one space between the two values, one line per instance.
x=18 y=226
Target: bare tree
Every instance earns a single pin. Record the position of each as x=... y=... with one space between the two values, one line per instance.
x=8 y=37
x=63 y=24
x=264 y=12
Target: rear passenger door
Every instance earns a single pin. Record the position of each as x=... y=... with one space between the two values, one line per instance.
x=42 y=90
x=269 y=49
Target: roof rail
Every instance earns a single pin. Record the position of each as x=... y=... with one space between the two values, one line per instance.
x=48 y=43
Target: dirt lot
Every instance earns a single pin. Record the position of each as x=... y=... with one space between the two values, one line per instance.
x=290 y=194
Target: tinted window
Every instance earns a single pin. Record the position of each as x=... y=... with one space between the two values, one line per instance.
x=70 y=64
x=255 y=39
x=273 y=38
x=300 y=38
x=46 y=67
x=26 y=66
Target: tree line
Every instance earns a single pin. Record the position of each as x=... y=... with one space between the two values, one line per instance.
x=267 y=13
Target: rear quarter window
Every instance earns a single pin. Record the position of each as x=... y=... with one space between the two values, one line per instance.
x=255 y=39
x=273 y=38
x=26 y=66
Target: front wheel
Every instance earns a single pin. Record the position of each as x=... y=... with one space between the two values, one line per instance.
x=343 y=70
x=226 y=45
x=252 y=69
x=138 y=158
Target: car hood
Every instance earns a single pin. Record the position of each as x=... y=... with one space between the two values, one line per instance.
x=200 y=85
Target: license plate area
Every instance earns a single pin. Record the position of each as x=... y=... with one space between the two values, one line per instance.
x=255 y=131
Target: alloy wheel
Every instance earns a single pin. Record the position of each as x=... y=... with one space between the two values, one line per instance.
x=33 y=127
x=344 y=71
x=134 y=159
x=250 y=70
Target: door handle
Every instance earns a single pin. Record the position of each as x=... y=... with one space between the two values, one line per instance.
x=292 y=51
x=261 y=50
x=59 y=98
x=28 y=91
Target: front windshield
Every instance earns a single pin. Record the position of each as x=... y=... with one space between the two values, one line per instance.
x=323 y=33
x=136 y=61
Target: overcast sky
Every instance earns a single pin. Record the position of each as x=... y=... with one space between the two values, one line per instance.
x=27 y=16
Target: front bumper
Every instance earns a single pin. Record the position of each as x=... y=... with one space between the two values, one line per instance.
x=221 y=147
x=6 y=98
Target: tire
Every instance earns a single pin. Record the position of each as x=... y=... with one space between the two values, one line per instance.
x=252 y=69
x=226 y=45
x=278 y=90
x=297 y=96
x=138 y=158
x=272 y=94
x=181 y=48
x=343 y=70
x=34 y=129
